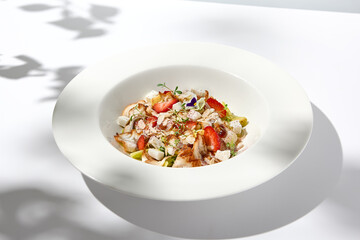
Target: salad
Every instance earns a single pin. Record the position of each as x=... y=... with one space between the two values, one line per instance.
x=173 y=128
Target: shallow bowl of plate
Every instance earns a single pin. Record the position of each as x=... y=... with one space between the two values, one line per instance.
x=278 y=110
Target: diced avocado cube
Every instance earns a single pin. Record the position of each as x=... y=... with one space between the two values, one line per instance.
x=137 y=155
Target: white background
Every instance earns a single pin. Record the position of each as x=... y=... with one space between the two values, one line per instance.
x=43 y=197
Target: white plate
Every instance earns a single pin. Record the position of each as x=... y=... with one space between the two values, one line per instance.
x=278 y=109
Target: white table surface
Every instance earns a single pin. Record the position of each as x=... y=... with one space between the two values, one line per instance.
x=43 y=197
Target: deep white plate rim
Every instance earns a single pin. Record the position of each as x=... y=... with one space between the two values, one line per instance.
x=135 y=178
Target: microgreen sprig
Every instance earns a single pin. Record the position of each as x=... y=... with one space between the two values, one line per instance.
x=176 y=91
x=139 y=113
x=184 y=120
x=178 y=119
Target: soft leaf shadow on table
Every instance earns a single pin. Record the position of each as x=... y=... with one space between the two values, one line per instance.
x=25 y=69
x=276 y=203
x=37 y=7
x=32 y=213
x=62 y=77
x=93 y=24
x=27 y=66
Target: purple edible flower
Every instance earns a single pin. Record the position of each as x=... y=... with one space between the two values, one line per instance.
x=192 y=102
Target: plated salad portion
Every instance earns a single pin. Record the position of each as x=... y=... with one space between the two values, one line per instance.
x=173 y=128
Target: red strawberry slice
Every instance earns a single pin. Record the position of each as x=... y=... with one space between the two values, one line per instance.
x=141 y=143
x=164 y=106
x=212 y=139
x=219 y=108
x=152 y=121
x=190 y=125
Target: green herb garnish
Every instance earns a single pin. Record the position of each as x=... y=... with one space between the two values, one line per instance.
x=184 y=119
x=176 y=91
x=135 y=114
